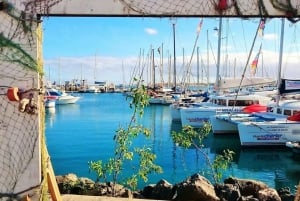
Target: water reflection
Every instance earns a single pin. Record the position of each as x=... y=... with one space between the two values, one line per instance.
x=84 y=131
x=277 y=167
x=50 y=115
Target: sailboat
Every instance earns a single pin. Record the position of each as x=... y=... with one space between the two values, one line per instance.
x=223 y=123
x=280 y=124
x=220 y=102
x=184 y=100
x=159 y=95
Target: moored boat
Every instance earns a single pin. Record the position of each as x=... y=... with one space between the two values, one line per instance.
x=272 y=128
x=61 y=98
x=49 y=103
x=229 y=103
x=226 y=123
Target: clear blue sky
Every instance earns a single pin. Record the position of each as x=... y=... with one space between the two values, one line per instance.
x=108 y=49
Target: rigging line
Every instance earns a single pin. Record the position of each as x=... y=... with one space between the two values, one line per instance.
x=245 y=68
x=244 y=35
x=214 y=57
x=193 y=52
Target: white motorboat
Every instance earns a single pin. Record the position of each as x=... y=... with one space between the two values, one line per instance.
x=62 y=98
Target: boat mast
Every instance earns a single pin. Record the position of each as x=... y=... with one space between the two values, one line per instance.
x=208 y=83
x=174 y=55
x=161 y=63
x=198 y=70
x=219 y=54
x=280 y=60
x=153 y=68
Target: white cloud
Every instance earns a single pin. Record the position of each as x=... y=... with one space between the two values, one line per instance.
x=270 y=36
x=151 y=31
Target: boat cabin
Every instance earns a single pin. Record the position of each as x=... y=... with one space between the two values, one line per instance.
x=232 y=100
x=288 y=108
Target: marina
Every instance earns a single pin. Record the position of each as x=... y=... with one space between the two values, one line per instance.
x=92 y=50
x=82 y=132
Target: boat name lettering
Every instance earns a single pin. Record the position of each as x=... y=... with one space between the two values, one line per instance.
x=268 y=137
x=282 y=129
x=229 y=110
x=197 y=119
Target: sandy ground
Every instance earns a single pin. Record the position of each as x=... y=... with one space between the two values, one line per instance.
x=68 y=197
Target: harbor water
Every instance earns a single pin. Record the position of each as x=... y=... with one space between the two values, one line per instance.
x=82 y=132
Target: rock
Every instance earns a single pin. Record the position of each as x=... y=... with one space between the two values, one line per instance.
x=285 y=194
x=195 y=188
x=227 y=192
x=147 y=191
x=247 y=186
x=70 y=178
x=66 y=183
x=116 y=190
x=162 y=190
x=268 y=194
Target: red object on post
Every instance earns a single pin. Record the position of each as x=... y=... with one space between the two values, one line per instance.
x=13 y=94
x=222 y=5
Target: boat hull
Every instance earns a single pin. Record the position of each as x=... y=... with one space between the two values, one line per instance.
x=63 y=100
x=268 y=133
x=223 y=125
x=49 y=103
x=175 y=112
x=227 y=123
x=195 y=117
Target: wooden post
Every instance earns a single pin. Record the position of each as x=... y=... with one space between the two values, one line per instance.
x=297 y=196
x=52 y=184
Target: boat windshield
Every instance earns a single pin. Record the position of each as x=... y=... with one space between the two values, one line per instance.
x=242 y=102
x=54 y=93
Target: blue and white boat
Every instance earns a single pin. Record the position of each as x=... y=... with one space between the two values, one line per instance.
x=62 y=98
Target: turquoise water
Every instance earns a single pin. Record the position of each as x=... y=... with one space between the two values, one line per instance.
x=83 y=132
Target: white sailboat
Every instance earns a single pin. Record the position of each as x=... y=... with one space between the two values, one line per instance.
x=225 y=103
x=276 y=127
x=226 y=123
x=159 y=95
x=272 y=128
x=185 y=100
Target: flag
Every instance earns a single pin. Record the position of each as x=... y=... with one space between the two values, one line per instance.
x=199 y=26
x=261 y=27
x=255 y=62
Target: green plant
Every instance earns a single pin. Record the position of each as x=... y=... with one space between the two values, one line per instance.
x=221 y=162
x=190 y=137
x=13 y=53
x=123 y=150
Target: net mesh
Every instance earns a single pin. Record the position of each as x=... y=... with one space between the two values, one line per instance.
x=19 y=130
x=212 y=7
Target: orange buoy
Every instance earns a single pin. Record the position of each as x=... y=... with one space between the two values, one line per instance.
x=12 y=94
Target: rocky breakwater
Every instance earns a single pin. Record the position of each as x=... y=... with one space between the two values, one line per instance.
x=194 y=188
